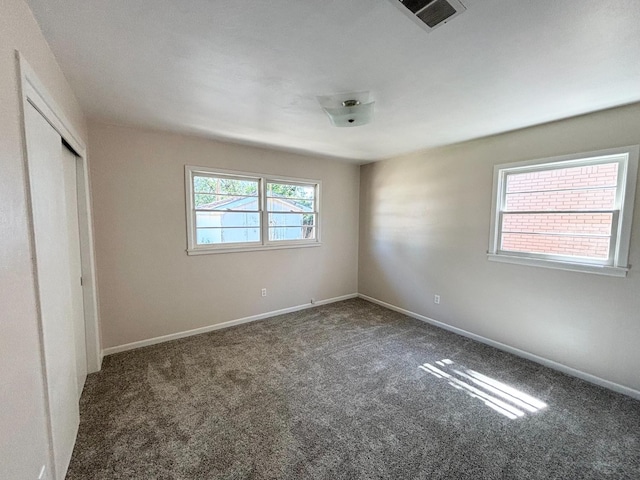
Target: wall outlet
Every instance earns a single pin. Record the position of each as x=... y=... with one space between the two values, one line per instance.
x=313 y=301
x=264 y=292
x=436 y=299
x=43 y=473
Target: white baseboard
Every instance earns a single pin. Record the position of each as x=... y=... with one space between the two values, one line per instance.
x=487 y=341
x=218 y=326
x=515 y=351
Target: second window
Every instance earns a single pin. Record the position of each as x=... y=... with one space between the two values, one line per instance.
x=230 y=211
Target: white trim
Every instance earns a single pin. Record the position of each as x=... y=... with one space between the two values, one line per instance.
x=37 y=94
x=626 y=209
x=567 y=266
x=34 y=93
x=219 y=326
x=616 y=387
x=257 y=248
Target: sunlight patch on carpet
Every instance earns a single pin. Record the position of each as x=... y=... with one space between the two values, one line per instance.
x=500 y=397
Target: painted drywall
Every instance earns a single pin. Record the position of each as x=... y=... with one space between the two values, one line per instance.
x=149 y=286
x=23 y=442
x=424 y=230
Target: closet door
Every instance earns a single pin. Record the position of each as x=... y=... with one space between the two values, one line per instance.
x=69 y=165
x=54 y=278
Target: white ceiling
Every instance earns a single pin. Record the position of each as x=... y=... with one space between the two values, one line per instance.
x=250 y=70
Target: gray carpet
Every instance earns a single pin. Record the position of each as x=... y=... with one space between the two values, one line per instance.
x=346 y=391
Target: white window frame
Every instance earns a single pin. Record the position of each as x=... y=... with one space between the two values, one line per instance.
x=617 y=263
x=316 y=209
x=264 y=244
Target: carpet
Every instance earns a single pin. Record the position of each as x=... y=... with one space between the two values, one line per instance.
x=349 y=390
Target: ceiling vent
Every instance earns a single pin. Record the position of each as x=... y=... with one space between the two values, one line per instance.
x=430 y=14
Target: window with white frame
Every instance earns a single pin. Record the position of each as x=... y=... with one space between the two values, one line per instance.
x=572 y=212
x=291 y=209
x=236 y=211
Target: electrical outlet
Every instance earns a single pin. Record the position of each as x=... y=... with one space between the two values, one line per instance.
x=264 y=292
x=313 y=301
x=436 y=299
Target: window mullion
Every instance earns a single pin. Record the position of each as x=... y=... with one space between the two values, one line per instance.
x=264 y=215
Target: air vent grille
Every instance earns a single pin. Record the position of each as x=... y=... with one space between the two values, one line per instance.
x=436 y=13
x=416 y=5
x=430 y=14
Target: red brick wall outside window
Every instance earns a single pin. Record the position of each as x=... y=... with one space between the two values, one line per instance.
x=566 y=211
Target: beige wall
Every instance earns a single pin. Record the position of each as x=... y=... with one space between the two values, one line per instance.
x=424 y=229
x=149 y=287
x=23 y=441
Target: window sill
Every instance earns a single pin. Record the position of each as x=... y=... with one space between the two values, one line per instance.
x=571 y=267
x=210 y=251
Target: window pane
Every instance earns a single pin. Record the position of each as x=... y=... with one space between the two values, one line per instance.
x=297 y=203
x=291 y=219
x=207 y=236
x=571 y=246
x=222 y=185
x=206 y=201
x=289 y=205
x=283 y=190
x=576 y=223
x=227 y=219
x=292 y=233
x=591 y=176
x=590 y=199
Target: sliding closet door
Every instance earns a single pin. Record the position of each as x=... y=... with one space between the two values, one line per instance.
x=54 y=277
x=69 y=165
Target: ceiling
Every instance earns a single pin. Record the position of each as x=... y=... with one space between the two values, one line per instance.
x=250 y=71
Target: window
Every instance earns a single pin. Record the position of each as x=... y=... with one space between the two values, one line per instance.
x=571 y=212
x=291 y=211
x=235 y=211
